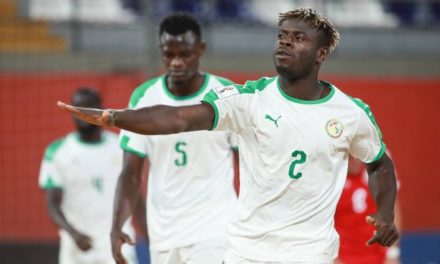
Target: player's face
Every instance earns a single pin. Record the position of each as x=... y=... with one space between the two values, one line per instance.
x=297 y=49
x=181 y=55
x=84 y=101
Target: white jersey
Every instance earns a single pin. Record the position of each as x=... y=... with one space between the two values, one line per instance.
x=87 y=173
x=190 y=183
x=293 y=165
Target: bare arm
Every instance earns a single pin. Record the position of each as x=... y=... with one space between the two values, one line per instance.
x=126 y=198
x=383 y=187
x=54 y=198
x=154 y=120
x=140 y=215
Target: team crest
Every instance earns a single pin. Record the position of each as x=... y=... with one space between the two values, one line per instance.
x=334 y=128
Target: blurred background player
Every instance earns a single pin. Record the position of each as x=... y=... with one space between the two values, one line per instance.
x=354 y=206
x=190 y=182
x=79 y=174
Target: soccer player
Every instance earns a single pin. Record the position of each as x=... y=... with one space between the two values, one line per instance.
x=79 y=174
x=190 y=193
x=354 y=206
x=295 y=135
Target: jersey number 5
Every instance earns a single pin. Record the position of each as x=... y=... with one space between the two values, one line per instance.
x=179 y=149
x=300 y=157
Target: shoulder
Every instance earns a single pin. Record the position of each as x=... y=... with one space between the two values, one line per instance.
x=249 y=88
x=140 y=91
x=258 y=85
x=53 y=148
x=353 y=103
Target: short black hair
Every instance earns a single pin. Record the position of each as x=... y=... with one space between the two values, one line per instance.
x=316 y=20
x=179 y=23
x=88 y=92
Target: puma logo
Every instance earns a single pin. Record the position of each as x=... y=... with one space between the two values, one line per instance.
x=275 y=121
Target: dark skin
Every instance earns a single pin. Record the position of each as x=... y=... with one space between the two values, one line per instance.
x=180 y=55
x=54 y=197
x=298 y=54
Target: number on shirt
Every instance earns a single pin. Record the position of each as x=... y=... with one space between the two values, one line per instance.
x=97 y=183
x=181 y=161
x=300 y=157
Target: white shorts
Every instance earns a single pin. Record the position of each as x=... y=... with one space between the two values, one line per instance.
x=231 y=258
x=204 y=252
x=71 y=254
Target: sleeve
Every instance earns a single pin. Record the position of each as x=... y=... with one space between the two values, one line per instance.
x=367 y=144
x=133 y=143
x=232 y=105
x=129 y=141
x=50 y=176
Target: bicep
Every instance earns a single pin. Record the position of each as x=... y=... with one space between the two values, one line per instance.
x=197 y=117
x=54 y=197
x=132 y=165
x=382 y=165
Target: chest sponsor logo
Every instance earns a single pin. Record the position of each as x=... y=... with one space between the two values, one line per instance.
x=226 y=91
x=334 y=128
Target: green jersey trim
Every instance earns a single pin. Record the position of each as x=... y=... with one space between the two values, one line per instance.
x=260 y=85
x=140 y=91
x=367 y=110
x=235 y=149
x=124 y=145
x=309 y=102
x=209 y=98
x=50 y=184
x=52 y=149
x=89 y=143
x=186 y=97
x=381 y=152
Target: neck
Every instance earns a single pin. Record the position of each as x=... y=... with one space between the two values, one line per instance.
x=186 y=88
x=308 y=88
x=90 y=137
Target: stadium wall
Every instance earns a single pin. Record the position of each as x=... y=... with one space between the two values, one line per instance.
x=406 y=110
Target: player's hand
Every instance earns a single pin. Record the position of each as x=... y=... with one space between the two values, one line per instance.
x=83 y=242
x=95 y=116
x=386 y=233
x=118 y=238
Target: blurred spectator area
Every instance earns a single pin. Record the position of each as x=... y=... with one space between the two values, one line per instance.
x=113 y=35
x=381 y=13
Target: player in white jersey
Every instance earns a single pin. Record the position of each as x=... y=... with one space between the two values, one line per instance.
x=295 y=135
x=79 y=174
x=190 y=194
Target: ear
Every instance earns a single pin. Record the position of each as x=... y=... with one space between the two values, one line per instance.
x=322 y=54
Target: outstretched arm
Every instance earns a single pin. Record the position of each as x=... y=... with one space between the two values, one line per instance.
x=383 y=187
x=154 y=120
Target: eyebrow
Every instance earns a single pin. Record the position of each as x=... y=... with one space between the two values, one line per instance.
x=292 y=31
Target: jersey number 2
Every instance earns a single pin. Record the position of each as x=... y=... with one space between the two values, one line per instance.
x=300 y=157
x=179 y=149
